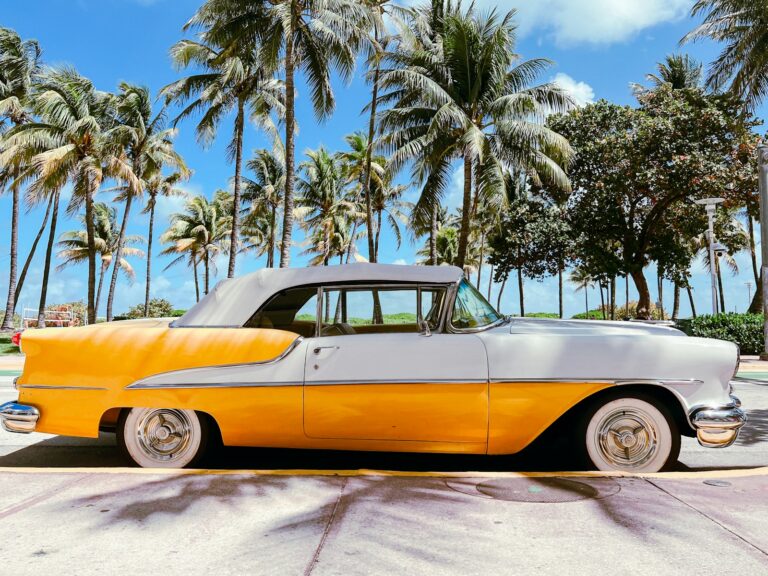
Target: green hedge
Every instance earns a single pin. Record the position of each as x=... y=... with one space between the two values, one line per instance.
x=746 y=330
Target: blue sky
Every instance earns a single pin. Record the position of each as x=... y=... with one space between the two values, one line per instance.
x=598 y=46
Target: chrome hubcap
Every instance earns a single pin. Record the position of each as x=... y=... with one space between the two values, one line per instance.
x=164 y=434
x=627 y=438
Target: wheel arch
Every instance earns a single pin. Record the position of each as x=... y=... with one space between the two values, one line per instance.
x=111 y=416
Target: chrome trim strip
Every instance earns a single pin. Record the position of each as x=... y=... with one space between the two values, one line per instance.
x=396 y=381
x=142 y=383
x=204 y=385
x=618 y=382
x=53 y=387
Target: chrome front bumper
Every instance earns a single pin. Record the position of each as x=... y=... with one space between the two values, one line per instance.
x=718 y=427
x=18 y=417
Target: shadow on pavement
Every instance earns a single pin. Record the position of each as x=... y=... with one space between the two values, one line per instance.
x=755 y=430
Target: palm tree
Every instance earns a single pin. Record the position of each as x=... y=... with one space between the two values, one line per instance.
x=199 y=233
x=232 y=79
x=679 y=71
x=311 y=36
x=471 y=99
x=19 y=64
x=323 y=204
x=387 y=203
x=74 y=245
x=157 y=186
x=741 y=27
x=265 y=194
x=72 y=142
x=149 y=147
x=583 y=281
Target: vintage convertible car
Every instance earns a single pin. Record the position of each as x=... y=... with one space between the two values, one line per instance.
x=375 y=357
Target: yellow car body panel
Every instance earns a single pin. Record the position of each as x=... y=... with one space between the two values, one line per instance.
x=74 y=376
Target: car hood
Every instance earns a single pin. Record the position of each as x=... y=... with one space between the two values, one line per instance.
x=585 y=327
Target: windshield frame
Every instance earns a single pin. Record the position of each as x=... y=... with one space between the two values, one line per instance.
x=449 y=312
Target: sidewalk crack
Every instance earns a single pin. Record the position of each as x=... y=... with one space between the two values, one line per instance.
x=316 y=556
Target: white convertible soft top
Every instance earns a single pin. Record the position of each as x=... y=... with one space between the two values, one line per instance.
x=232 y=302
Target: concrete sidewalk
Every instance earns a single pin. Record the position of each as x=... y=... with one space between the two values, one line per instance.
x=127 y=522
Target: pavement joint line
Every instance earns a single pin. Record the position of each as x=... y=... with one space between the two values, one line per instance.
x=41 y=497
x=316 y=556
x=741 y=473
x=707 y=516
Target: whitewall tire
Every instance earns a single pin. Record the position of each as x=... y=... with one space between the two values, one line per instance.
x=162 y=437
x=633 y=433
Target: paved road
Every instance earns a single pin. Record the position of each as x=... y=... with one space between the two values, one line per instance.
x=75 y=512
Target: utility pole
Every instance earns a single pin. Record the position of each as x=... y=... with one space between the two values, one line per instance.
x=762 y=165
x=749 y=294
x=710 y=205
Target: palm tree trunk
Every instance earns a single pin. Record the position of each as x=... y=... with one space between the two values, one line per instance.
x=433 y=236
x=47 y=265
x=602 y=301
x=690 y=299
x=520 y=291
x=233 y=239
x=285 y=249
x=752 y=252
x=480 y=262
x=466 y=212
x=104 y=267
x=31 y=254
x=118 y=256
x=378 y=235
x=351 y=243
x=197 y=282
x=91 y=237
x=560 y=290
x=272 y=234
x=720 y=286
x=613 y=298
x=490 y=283
x=372 y=252
x=207 y=271
x=660 y=282
x=149 y=257
x=501 y=291
x=676 y=302
x=10 y=303
x=586 y=301
x=626 y=295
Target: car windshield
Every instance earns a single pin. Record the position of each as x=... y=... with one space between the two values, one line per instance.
x=471 y=310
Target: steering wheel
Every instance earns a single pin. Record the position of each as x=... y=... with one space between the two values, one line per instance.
x=337 y=329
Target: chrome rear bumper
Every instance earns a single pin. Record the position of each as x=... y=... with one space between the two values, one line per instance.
x=718 y=427
x=18 y=417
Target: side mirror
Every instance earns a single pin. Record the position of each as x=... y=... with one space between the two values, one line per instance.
x=424 y=328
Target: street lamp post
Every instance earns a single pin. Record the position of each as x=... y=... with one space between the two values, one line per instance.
x=710 y=205
x=749 y=294
x=762 y=165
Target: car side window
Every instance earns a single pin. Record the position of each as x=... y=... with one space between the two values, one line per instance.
x=294 y=310
x=351 y=310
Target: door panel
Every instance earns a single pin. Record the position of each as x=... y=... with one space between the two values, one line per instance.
x=397 y=387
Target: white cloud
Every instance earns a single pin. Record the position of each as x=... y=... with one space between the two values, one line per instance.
x=591 y=21
x=401 y=262
x=581 y=92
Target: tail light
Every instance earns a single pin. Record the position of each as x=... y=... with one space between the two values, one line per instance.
x=16 y=339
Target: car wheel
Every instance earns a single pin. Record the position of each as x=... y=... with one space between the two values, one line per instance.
x=631 y=433
x=162 y=437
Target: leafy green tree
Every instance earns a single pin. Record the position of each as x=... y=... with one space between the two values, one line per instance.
x=19 y=65
x=158 y=308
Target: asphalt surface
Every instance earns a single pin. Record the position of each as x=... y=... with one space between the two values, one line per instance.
x=70 y=506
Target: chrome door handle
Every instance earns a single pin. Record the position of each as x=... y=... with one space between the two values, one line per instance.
x=320 y=348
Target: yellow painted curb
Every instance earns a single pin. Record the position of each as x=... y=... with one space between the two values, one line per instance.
x=749 y=473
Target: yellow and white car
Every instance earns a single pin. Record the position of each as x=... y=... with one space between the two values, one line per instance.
x=375 y=357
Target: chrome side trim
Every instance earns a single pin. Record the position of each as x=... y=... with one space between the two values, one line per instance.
x=146 y=382
x=203 y=385
x=395 y=381
x=619 y=382
x=53 y=387
x=18 y=417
